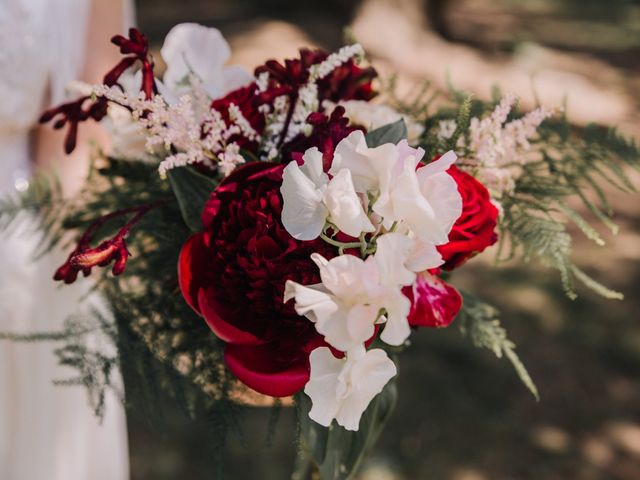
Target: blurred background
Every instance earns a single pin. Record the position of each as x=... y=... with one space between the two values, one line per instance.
x=462 y=414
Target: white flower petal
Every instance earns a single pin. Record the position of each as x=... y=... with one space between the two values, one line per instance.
x=396 y=329
x=392 y=252
x=312 y=167
x=312 y=301
x=423 y=256
x=355 y=291
x=346 y=275
x=353 y=154
x=410 y=206
x=335 y=330
x=440 y=165
x=366 y=375
x=344 y=388
x=441 y=191
x=360 y=324
x=322 y=385
x=344 y=206
x=234 y=77
x=303 y=212
x=190 y=47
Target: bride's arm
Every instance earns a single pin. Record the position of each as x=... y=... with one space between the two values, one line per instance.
x=106 y=18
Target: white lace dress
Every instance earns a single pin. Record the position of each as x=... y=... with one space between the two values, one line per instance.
x=46 y=432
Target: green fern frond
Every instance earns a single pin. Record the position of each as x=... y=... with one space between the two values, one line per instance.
x=479 y=321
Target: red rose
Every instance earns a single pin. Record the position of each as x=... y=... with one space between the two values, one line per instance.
x=434 y=303
x=475 y=229
x=233 y=274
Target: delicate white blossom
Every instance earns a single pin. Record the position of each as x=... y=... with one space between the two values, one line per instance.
x=426 y=200
x=334 y=60
x=188 y=130
x=342 y=389
x=356 y=294
x=310 y=199
x=192 y=49
x=498 y=150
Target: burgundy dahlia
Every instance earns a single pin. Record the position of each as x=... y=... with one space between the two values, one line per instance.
x=326 y=133
x=233 y=274
x=245 y=99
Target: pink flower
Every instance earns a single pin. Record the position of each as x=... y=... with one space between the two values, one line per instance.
x=434 y=303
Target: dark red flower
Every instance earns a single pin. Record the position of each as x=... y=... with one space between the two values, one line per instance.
x=245 y=99
x=345 y=82
x=326 y=134
x=348 y=82
x=475 y=230
x=233 y=274
x=136 y=48
x=84 y=257
x=434 y=303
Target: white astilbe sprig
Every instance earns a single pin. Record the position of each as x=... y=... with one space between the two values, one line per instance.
x=307 y=102
x=333 y=61
x=187 y=129
x=497 y=149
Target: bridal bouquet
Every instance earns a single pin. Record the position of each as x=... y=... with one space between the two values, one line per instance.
x=285 y=232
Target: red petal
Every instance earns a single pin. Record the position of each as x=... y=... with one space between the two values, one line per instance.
x=255 y=367
x=224 y=330
x=434 y=303
x=189 y=264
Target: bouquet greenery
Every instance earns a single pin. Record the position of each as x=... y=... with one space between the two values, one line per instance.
x=281 y=234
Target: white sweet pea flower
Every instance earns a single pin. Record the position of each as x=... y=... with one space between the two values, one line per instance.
x=423 y=255
x=427 y=201
x=342 y=389
x=310 y=199
x=391 y=257
x=304 y=213
x=190 y=48
x=441 y=191
x=348 y=303
x=345 y=207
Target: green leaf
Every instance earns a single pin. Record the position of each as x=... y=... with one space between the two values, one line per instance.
x=391 y=133
x=192 y=190
x=335 y=453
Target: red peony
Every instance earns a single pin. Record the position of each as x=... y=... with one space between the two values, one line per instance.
x=475 y=229
x=233 y=274
x=434 y=303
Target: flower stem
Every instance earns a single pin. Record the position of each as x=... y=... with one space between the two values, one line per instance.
x=338 y=244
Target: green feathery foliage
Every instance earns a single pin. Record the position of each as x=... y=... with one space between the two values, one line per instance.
x=571 y=164
x=479 y=321
x=536 y=214
x=162 y=346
